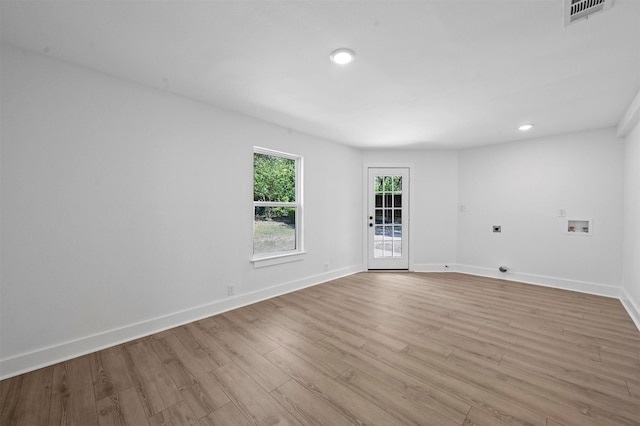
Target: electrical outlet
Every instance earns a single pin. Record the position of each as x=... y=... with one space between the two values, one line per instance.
x=326 y=267
x=231 y=290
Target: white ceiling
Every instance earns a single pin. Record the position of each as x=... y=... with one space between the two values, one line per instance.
x=428 y=74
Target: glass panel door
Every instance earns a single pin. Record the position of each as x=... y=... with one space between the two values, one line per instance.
x=387 y=238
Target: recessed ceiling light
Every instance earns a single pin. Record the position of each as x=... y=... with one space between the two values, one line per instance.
x=342 y=56
x=525 y=127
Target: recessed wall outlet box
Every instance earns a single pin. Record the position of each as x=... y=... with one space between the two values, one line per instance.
x=562 y=212
x=231 y=290
x=579 y=226
x=497 y=228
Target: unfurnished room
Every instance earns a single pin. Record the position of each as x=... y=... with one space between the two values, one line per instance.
x=278 y=212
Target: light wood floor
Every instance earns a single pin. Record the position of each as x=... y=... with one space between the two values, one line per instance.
x=372 y=348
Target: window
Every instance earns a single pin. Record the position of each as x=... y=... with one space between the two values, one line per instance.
x=277 y=203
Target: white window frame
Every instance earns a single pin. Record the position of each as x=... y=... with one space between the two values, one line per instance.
x=268 y=259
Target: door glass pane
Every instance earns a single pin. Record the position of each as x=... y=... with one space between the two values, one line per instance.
x=397 y=183
x=397 y=241
x=388 y=200
x=397 y=217
x=387 y=216
x=387 y=246
x=388 y=182
x=397 y=200
x=378 y=200
x=378 y=216
x=378 y=183
x=397 y=248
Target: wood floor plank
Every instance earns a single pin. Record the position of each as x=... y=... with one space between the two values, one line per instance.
x=178 y=414
x=247 y=333
x=346 y=321
x=527 y=343
x=227 y=415
x=464 y=384
x=421 y=338
x=470 y=344
x=431 y=396
x=313 y=354
x=293 y=326
x=634 y=389
x=72 y=398
x=571 y=401
x=155 y=388
x=568 y=373
x=306 y=407
x=393 y=401
x=252 y=400
x=110 y=373
x=631 y=360
x=603 y=333
x=254 y=364
x=348 y=403
x=381 y=348
x=335 y=330
x=202 y=346
x=122 y=409
x=26 y=399
x=199 y=390
x=180 y=375
x=480 y=417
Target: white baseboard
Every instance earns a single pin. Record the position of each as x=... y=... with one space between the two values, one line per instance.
x=43 y=357
x=561 y=283
x=632 y=309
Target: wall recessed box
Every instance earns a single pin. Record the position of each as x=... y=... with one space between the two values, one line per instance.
x=579 y=226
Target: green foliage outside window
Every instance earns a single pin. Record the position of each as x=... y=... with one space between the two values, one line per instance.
x=274 y=180
x=388 y=184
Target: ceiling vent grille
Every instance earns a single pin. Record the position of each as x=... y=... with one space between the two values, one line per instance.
x=575 y=10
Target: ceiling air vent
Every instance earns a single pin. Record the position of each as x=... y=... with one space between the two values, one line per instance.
x=575 y=10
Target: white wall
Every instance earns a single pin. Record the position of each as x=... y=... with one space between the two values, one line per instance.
x=631 y=225
x=434 y=193
x=126 y=210
x=521 y=187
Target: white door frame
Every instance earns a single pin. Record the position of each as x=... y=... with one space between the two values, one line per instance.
x=365 y=208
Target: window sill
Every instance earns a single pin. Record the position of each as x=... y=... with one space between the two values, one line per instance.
x=261 y=262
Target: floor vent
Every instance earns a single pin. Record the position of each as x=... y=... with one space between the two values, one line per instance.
x=575 y=10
